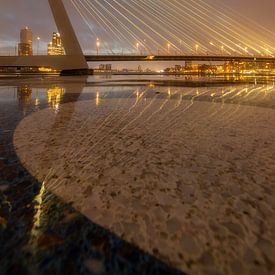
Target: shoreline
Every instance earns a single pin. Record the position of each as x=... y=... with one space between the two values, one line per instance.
x=39 y=81
x=198 y=74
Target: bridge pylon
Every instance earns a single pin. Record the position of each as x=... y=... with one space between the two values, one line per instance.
x=70 y=42
x=72 y=63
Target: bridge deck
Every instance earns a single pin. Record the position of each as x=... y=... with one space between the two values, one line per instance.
x=64 y=61
x=209 y=58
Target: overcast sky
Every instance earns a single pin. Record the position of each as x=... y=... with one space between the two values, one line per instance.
x=15 y=14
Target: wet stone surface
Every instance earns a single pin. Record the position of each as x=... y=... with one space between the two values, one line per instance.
x=39 y=233
x=136 y=180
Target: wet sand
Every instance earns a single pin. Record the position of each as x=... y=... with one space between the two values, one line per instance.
x=190 y=182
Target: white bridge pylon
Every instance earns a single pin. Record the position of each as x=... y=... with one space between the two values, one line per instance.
x=74 y=58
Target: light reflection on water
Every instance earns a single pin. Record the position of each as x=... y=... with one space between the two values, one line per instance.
x=54 y=97
x=33 y=96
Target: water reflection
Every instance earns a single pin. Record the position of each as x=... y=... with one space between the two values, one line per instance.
x=54 y=97
x=30 y=96
x=24 y=97
x=37 y=101
x=97 y=98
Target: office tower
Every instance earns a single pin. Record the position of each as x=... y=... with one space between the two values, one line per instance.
x=55 y=47
x=25 y=45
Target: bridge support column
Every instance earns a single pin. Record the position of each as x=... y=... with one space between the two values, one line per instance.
x=76 y=64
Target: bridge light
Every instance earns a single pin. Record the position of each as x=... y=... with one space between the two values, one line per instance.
x=196 y=47
x=38 y=40
x=137 y=46
x=168 y=47
x=97 y=45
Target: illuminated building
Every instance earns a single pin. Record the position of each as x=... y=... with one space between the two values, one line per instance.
x=178 y=68
x=105 y=67
x=188 y=65
x=55 y=47
x=25 y=45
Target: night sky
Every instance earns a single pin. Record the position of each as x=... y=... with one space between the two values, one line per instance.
x=15 y=14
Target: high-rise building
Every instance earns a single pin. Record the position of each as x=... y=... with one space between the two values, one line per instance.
x=55 y=47
x=25 y=45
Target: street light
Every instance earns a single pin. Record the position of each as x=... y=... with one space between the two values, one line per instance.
x=168 y=47
x=180 y=46
x=137 y=45
x=196 y=47
x=38 y=40
x=97 y=45
x=222 y=48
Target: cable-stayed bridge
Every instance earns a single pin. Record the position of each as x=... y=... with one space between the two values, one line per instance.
x=199 y=31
